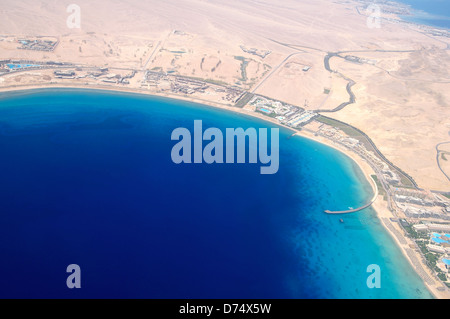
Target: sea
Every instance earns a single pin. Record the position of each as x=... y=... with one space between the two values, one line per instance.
x=434 y=13
x=87 y=179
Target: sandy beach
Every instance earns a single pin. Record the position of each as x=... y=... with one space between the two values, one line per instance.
x=313 y=55
x=380 y=206
x=400 y=70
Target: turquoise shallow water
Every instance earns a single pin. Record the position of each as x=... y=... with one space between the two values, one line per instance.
x=429 y=12
x=87 y=178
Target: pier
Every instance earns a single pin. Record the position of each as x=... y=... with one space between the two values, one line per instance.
x=291 y=136
x=360 y=208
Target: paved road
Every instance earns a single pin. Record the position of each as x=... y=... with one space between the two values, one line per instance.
x=274 y=70
x=151 y=56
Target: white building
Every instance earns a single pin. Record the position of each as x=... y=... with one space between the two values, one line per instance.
x=436 y=249
x=420 y=227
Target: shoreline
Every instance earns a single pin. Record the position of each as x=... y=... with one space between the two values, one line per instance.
x=379 y=205
x=418 y=20
x=421 y=17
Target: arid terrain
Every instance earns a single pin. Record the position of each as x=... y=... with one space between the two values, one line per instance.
x=277 y=50
x=372 y=86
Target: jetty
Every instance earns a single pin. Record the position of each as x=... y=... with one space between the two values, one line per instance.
x=360 y=208
x=292 y=135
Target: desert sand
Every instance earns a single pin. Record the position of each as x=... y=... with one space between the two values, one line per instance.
x=401 y=74
x=402 y=98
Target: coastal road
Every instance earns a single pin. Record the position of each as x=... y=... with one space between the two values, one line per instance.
x=352 y=97
x=378 y=152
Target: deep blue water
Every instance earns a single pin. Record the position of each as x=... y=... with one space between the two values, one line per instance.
x=430 y=12
x=87 y=179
